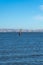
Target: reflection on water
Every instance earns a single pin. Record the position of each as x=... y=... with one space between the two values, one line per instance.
x=26 y=49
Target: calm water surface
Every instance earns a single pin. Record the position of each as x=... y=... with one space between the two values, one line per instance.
x=26 y=49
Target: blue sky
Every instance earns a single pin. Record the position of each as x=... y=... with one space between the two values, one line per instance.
x=25 y=14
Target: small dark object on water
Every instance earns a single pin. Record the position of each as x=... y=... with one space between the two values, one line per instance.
x=19 y=33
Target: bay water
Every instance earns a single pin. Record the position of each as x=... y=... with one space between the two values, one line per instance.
x=26 y=49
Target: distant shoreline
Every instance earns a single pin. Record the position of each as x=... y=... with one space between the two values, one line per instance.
x=20 y=30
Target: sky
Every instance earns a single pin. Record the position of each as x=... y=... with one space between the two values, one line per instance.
x=21 y=14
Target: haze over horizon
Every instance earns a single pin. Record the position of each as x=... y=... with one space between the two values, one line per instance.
x=21 y=14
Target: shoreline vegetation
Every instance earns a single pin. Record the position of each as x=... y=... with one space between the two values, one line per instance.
x=20 y=30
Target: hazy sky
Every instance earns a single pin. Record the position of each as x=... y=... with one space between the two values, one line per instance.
x=25 y=14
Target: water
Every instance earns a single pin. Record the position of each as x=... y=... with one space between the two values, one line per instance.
x=26 y=49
